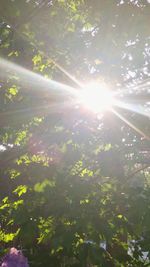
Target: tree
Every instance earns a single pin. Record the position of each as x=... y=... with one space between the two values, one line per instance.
x=74 y=186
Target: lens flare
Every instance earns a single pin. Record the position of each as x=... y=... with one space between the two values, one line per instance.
x=96 y=97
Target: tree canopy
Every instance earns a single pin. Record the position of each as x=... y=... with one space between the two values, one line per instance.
x=75 y=184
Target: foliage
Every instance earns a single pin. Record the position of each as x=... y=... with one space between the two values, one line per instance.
x=75 y=187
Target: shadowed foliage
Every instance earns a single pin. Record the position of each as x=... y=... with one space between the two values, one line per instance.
x=75 y=186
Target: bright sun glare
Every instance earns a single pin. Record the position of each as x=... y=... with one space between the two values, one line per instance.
x=96 y=97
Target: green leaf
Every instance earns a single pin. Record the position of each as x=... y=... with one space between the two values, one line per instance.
x=20 y=190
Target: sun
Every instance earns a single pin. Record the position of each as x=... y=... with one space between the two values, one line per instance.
x=96 y=97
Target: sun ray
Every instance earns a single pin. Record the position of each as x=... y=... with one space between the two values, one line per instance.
x=142 y=86
x=130 y=124
x=28 y=77
x=95 y=96
x=139 y=109
x=67 y=73
x=45 y=55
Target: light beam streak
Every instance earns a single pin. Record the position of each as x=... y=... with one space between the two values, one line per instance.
x=46 y=56
x=28 y=77
x=132 y=107
x=130 y=124
x=142 y=86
